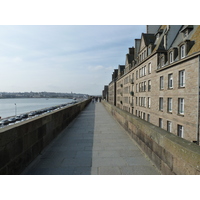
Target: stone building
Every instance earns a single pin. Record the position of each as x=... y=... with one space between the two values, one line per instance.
x=105 y=93
x=160 y=79
x=112 y=88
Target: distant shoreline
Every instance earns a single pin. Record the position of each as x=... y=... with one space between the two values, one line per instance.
x=36 y=97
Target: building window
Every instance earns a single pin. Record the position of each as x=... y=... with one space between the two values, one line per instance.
x=144 y=74
x=148 y=117
x=162 y=61
x=136 y=75
x=181 y=106
x=140 y=72
x=161 y=103
x=149 y=102
x=149 y=85
x=149 y=50
x=145 y=54
x=182 y=78
x=161 y=83
x=169 y=105
x=170 y=81
x=180 y=131
x=160 y=123
x=144 y=116
x=149 y=68
x=169 y=126
x=171 y=57
x=182 y=49
x=145 y=85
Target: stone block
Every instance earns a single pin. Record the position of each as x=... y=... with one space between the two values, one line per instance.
x=167 y=158
x=4 y=156
x=157 y=149
x=180 y=167
x=165 y=169
x=167 y=147
x=156 y=160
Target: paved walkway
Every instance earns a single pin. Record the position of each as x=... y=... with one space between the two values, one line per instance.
x=93 y=144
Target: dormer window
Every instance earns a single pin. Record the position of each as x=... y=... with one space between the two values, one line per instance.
x=162 y=61
x=182 y=51
x=186 y=30
x=185 y=33
x=171 y=57
x=149 y=50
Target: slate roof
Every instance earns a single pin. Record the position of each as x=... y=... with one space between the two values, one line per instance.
x=130 y=58
x=148 y=38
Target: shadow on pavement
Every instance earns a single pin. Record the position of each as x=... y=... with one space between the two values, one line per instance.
x=71 y=152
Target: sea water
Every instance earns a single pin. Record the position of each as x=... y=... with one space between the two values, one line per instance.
x=17 y=106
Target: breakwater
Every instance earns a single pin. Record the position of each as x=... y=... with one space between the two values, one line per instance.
x=170 y=153
x=21 y=143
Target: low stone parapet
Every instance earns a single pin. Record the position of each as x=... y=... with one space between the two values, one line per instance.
x=21 y=143
x=170 y=153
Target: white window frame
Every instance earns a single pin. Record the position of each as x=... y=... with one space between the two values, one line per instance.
x=162 y=61
x=181 y=104
x=148 y=117
x=182 y=78
x=180 y=131
x=149 y=102
x=144 y=74
x=145 y=86
x=182 y=51
x=169 y=105
x=145 y=55
x=160 y=122
x=169 y=126
x=149 y=68
x=161 y=103
x=170 y=81
x=171 y=57
x=161 y=82
x=149 y=85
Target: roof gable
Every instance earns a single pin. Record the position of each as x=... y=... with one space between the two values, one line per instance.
x=142 y=43
x=146 y=40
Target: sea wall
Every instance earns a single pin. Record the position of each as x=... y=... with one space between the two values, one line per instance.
x=170 y=153
x=21 y=143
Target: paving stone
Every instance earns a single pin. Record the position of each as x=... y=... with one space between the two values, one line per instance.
x=93 y=144
x=109 y=171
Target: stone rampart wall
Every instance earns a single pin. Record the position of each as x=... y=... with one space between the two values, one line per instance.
x=170 y=153
x=21 y=143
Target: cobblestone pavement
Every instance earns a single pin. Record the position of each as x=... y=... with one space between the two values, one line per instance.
x=93 y=144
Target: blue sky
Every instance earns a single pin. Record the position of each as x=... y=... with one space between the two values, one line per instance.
x=62 y=58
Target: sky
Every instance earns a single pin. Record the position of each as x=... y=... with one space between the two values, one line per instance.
x=63 y=58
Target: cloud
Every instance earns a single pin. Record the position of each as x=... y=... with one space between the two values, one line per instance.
x=47 y=58
x=96 y=68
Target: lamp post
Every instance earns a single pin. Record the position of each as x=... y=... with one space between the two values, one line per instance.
x=15 y=109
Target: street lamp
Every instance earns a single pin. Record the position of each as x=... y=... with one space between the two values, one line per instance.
x=15 y=109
